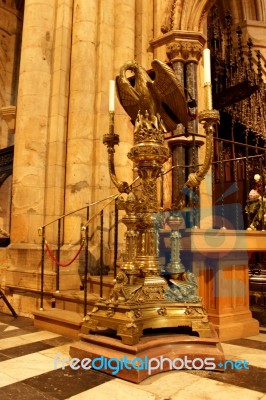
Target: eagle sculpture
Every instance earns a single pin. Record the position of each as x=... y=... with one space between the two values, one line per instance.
x=162 y=99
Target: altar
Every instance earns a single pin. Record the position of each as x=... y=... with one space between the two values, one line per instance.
x=219 y=259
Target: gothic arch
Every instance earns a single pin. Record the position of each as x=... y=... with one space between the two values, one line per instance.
x=190 y=15
x=244 y=10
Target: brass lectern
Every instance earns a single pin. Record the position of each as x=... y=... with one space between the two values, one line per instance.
x=146 y=295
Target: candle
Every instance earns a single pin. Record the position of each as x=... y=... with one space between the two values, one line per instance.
x=207 y=65
x=111 y=96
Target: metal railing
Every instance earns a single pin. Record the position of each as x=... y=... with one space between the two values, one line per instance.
x=84 y=243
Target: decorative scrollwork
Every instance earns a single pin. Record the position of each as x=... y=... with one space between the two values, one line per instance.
x=110 y=312
x=162 y=311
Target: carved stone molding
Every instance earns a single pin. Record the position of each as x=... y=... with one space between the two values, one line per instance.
x=13 y=5
x=8 y=114
x=6 y=163
x=168 y=16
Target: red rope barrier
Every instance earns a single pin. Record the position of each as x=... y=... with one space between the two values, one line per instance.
x=50 y=253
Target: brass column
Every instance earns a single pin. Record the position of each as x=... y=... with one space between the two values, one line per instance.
x=149 y=154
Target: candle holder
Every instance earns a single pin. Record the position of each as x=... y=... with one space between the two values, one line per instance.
x=111 y=139
x=208 y=95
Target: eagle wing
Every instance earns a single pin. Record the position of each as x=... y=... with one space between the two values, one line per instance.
x=173 y=108
x=128 y=97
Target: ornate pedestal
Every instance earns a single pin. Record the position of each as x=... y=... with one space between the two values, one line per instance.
x=129 y=321
x=153 y=354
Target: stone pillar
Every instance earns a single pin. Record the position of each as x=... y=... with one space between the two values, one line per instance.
x=191 y=86
x=193 y=200
x=103 y=40
x=178 y=148
x=105 y=72
x=33 y=103
x=10 y=36
x=124 y=50
x=58 y=122
x=120 y=30
x=81 y=155
x=145 y=29
x=116 y=36
x=184 y=55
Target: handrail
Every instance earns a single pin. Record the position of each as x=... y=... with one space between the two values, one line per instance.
x=99 y=212
x=85 y=238
x=113 y=196
x=78 y=209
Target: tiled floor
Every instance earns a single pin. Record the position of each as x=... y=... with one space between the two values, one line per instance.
x=27 y=372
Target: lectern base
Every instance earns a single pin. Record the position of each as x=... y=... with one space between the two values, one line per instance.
x=154 y=353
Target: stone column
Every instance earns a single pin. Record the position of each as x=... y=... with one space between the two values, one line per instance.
x=116 y=38
x=58 y=122
x=184 y=56
x=178 y=151
x=146 y=14
x=81 y=155
x=193 y=51
x=124 y=50
x=121 y=31
x=178 y=148
x=33 y=103
x=105 y=72
x=10 y=35
x=191 y=86
x=103 y=40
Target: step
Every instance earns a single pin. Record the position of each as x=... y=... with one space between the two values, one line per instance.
x=64 y=322
x=73 y=300
x=94 y=284
x=66 y=316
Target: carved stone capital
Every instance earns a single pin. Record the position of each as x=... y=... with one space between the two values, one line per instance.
x=174 y=51
x=8 y=114
x=181 y=45
x=180 y=50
